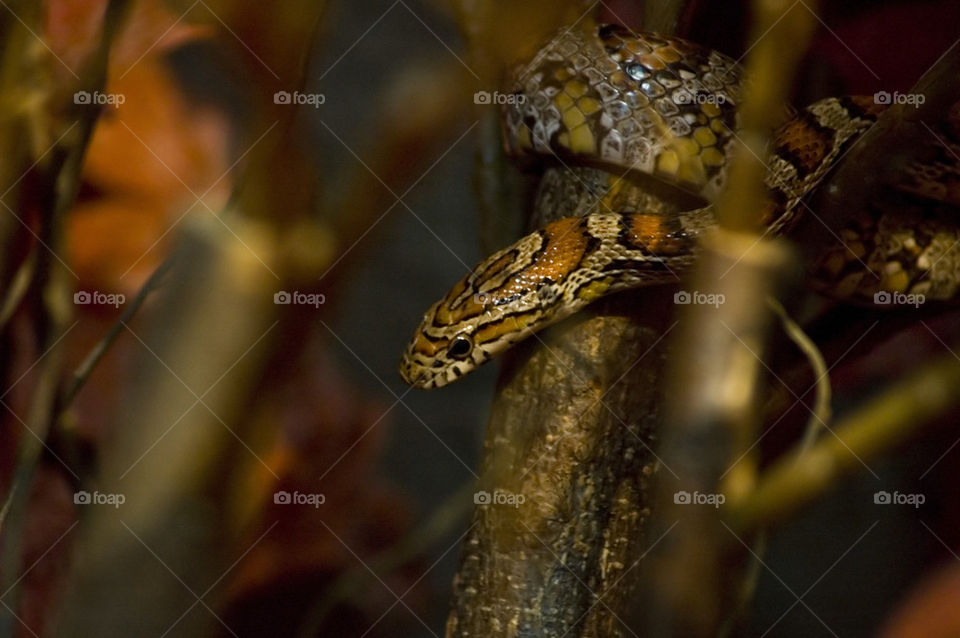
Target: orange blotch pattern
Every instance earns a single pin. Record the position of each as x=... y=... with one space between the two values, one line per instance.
x=646 y=230
x=655 y=233
x=565 y=244
x=805 y=144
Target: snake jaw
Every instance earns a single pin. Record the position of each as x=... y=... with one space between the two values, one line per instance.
x=438 y=373
x=414 y=375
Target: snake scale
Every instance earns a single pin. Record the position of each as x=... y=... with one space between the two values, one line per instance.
x=613 y=115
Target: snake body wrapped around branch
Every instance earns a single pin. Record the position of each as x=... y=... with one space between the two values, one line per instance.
x=614 y=115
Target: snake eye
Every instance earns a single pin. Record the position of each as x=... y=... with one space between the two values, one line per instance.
x=460 y=347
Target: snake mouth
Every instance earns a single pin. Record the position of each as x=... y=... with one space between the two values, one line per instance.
x=418 y=376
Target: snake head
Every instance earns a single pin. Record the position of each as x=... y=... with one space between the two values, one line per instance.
x=438 y=354
x=448 y=344
x=500 y=302
x=463 y=331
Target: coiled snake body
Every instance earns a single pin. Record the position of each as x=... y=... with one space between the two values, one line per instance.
x=616 y=115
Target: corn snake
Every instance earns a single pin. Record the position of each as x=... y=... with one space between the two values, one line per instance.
x=612 y=116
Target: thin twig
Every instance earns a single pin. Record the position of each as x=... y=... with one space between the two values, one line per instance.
x=821 y=414
x=872 y=431
x=19 y=286
x=58 y=185
x=83 y=371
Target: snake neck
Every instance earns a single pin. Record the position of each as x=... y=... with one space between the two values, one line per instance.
x=582 y=191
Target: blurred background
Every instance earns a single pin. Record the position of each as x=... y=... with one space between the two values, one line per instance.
x=200 y=406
